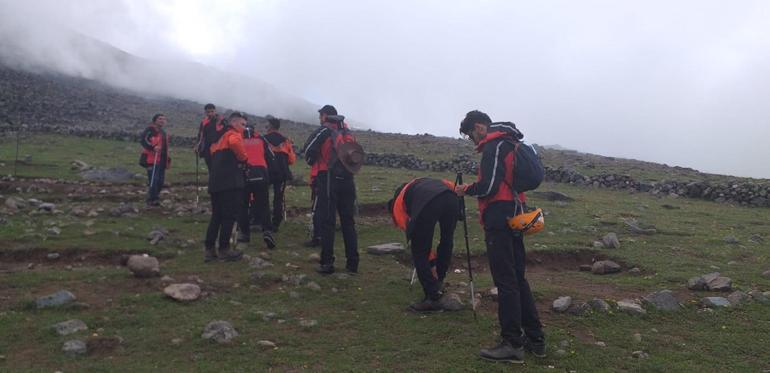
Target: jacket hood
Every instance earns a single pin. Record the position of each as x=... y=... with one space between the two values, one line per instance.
x=500 y=130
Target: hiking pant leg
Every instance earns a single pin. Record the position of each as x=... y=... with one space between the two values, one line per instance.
x=421 y=242
x=450 y=206
x=231 y=208
x=530 y=320
x=243 y=215
x=154 y=182
x=279 y=189
x=316 y=219
x=262 y=205
x=214 y=222
x=326 y=209
x=501 y=264
x=346 y=206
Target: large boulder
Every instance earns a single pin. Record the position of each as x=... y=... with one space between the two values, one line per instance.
x=604 y=267
x=631 y=307
x=737 y=297
x=183 y=292
x=561 y=304
x=143 y=266
x=663 y=300
x=58 y=299
x=715 y=302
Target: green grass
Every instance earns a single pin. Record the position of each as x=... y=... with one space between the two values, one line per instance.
x=363 y=326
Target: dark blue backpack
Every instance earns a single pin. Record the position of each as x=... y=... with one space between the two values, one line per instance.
x=528 y=172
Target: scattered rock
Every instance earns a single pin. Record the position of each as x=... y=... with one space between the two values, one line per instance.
x=312 y=285
x=696 y=283
x=69 y=327
x=755 y=238
x=259 y=263
x=493 y=293
x=295 y=280
x=15 y=204
x=125 y=209
x=635 y=228
x=49 y=207
x=143 y=266
x=631 y=306
x=598 y=245
x=766 y=274
x=314 y=258
x=78 y=165
x=604 y=267
x=266 y=343
x=308 y=323
x=663 y=300
x=732 y=240
x=53 y=256
x=737 y=297
x=54 y=231
x=579 y=309
x=611 y=241
x=637 y=338
x=561 y=304
x=156 y=236
x=709 y=281
x=640 y=355
x=385 y=249
x=599 y=305
x=219 y=331
x=183 y=292
x=715 y=302
x=601 y=344
x=166 y=279
x=720 y=284
x=74 y=347
x=635 y=271
x=451 y=302
x=759 y=296
x=60 y=298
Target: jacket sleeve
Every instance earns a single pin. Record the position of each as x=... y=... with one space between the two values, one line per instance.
x=312 y=147
x=146 y=140
x=235 y=143
x=492 y=171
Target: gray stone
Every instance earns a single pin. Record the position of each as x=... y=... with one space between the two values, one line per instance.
x=755 y=238
x=295 y=280
x=60 y=298
x=312 y=285
x=603 y=267
x=143 y=266
x=259 y=263
x=183 y=292
x=720 y=284
x=636 y=229
x=599 y=305
x=737 y=297
x=732 y=240
x=663 y=300
x=766 y=274
x=631 y=306
x=637 y=338
x=385 y=249
x=46 y=207
x=759 y=296
x=561 y=304
x=266 y=343
x=69 y=327
x=53 y=256
x=640 y=355
x=219 y=331
x=308 y=323
x=54 y=231
x=314 y=258
x=611 y=241
x=696 y=283
x=715 y=302
x=451 y=302
x=598 y=245
x=74 y=347
x=579 y=309
x=635 y=271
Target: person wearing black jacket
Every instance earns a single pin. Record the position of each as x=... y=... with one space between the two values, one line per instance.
x=416 y=208
x=260 y=160
x=209 y=131
x=226 y=186
x=283 y=149
x=520 y=324
x=336 y=191
x=155 y=157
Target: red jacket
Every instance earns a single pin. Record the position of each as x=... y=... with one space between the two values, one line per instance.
x=151 y=137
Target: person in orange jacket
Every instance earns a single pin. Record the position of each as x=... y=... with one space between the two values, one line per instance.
x=226 y=186
x=256 y=205
x=283 y=149
x=155 y=157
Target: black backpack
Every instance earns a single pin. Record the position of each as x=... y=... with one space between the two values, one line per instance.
x=528 y=172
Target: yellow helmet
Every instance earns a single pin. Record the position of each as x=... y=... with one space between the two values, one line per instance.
x=528 y=222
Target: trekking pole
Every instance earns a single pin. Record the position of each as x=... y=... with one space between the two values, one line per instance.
x=283 y=201
x=459 y=181
x=16 y=161
x=154 y=166
x=197 y=180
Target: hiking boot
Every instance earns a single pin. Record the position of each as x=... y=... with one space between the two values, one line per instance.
x=352 y=268
x=325 y=269
x=503 y=352
x=230 y=255
x=269 y=240
x=535 y=346
x=425 y=306
x=210 y=255
x=315 y=242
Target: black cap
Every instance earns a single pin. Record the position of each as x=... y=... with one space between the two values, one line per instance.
x=328 y=110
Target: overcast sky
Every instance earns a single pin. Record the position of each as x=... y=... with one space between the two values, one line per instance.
x=683 y=83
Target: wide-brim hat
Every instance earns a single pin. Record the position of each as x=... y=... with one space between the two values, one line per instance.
x=352 y=156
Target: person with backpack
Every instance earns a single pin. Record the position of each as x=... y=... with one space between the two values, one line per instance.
x=283 y=149
x=155 y=157
x=260 y=160
x=508 y=168
x=210 y=129
x=335 y=156
x=226 y=186
x=416 y=208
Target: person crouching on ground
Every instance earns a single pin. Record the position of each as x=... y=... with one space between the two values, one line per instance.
x=260 y=160
x=416 y=208
x=226 y=186
x=155 y=157
x=519 y=322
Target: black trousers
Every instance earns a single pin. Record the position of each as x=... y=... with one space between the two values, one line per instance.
x=442 y=210
x=156 y=176
x=316 y=217
x=516 y=306
x=225 y=209
x=279 y=188
x=255 y=208
x=337 y=195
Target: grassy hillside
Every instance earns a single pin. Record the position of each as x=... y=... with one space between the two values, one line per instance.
x=362 y=324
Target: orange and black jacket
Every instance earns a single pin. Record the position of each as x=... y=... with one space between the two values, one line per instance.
x=410 y=201
x=152 y=136
x=227 y=155
x=495 y=175
x=209 y=132
x=318 y=147
x=260 y=159
x=283 y=149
